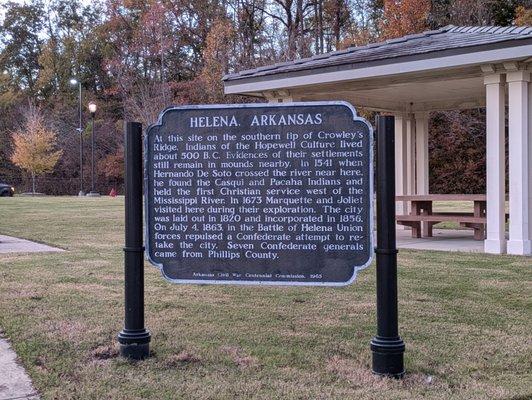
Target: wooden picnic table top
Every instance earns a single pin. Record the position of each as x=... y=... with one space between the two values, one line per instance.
x=442 y=197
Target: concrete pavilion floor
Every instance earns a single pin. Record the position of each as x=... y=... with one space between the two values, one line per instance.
x=442 y=240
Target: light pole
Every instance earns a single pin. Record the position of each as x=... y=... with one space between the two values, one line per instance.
x=92 y=110
x=73 y=82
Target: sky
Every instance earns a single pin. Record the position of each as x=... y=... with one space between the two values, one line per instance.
x=2 y=3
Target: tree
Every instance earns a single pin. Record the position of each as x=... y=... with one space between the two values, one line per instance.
x=292 y=14
x=19 y=36
x=34 y=145
x=523 y=16
x=475 y=12
x=112 y=166
x=216 y=60
x=137 y=57
x=403 y=17
x=337 y=17
x=457 y=148
x=249 y=20
x=73 y=47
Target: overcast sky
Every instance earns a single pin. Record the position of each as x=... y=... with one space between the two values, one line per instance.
x=2 y=2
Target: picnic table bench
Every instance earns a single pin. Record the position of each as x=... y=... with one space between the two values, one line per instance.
x=422 y=218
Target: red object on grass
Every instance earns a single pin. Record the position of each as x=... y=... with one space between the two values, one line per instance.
x=112 y=193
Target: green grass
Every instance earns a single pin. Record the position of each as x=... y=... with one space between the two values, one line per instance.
x=465 y=319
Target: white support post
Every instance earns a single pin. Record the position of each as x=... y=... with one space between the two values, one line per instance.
x=401 y=179
x=410 y=155
x=529 y=160
x=495 y=242
x=422 y=153
x=519 y=162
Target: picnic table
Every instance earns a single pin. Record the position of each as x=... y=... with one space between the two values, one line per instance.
x=422 y=218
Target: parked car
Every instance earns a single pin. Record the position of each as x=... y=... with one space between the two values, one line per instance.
x=6 y=190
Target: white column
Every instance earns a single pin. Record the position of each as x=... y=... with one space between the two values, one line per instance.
x=422 y=153
x=400 y=162
x=529 y=160
x=410 y=155
x=518 y=154
x=495 y=242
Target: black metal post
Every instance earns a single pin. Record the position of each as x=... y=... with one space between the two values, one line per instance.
x=92 y=193
x=134 y=339
x=81 y=192
x=92 y=153
x=387 y=347
x=80 y=131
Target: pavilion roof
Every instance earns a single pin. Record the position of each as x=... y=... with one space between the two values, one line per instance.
x=448 y=40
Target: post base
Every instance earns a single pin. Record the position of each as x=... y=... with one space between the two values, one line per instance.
x=93 y=194
x=520 y=247
x=495 y=246
x=81 y=193
x=134 y=344
x=388 y=356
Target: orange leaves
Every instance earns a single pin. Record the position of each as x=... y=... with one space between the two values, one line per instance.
x=34 y=145
x=403 y=17
x=217 y=58
x=523 y=16
x=112 y=165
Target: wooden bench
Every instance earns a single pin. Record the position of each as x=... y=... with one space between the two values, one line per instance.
x=422 y=218
x=468 y=221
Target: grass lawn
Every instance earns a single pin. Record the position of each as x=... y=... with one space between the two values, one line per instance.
x=465 y=318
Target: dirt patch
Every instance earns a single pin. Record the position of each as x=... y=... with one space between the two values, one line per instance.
x=40 y=364
x=238 y=356
x=356 y=374
x=104 y=352
x=360 y=376
x=184 y=357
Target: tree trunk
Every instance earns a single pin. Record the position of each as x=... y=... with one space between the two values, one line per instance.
x=320 y=20
x=33 y=182
x=337 y=24
x=300 y=28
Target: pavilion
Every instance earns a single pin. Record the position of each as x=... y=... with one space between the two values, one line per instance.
x=449 y=68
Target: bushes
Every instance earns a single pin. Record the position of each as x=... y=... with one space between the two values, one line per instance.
x=457 y=151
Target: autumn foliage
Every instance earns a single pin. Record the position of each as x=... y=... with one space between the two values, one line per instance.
x=34 y=146
x=137 y=57
x=216 y=61
x=404 y=17
x=523 y=16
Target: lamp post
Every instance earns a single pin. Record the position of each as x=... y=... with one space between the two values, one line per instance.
x=74 y=82
x=92 y=110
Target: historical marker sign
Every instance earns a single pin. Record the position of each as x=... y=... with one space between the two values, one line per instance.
x=259 y=194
